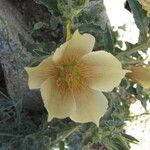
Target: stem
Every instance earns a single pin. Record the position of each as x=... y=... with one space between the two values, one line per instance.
x=135 y=49
x=70 y=132
x=68 y=28
x=4 y=95
x=66 y=135
x=136 y=116
x=11 y=135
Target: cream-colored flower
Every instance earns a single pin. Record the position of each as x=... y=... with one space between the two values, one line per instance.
x=141 y=75
x=146 y=5
x=72 y=79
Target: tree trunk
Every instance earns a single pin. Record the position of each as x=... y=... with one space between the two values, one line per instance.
x=14 y=58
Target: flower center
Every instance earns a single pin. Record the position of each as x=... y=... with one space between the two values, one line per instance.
x=69 y=76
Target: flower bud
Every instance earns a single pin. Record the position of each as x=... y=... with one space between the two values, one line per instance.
x=146 y=5
x=141 y=75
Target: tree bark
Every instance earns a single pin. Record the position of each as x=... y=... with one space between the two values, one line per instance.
x=14 y=58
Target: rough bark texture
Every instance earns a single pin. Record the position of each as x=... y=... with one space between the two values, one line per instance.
x=13 y=58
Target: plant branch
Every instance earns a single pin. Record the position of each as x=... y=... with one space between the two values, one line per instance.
x=66 y=135
x=135 y=49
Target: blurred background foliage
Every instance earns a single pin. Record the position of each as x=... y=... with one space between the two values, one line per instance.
x=21 y=130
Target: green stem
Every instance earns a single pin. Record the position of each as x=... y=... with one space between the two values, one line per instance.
x=135 y=49
x=68 y=28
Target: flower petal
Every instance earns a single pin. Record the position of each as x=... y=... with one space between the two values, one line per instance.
x=59 y=53
x=79 y=45
x=37 y=75
x=90 y=106
x=105 y=70
x=59 y=104
x=141 y=75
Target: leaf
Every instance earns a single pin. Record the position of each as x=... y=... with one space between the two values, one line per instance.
x=54 y=22
x=50 y=4
x=26 y=44
x=33 y=48
x=140 y=16
x=81 y=2
x=121 y=143
x=93 y=12
x=92 y=18
x=61 y=145
x=48 y=47
x=108 y=40
x=90 y=27
x=130 y=138
x=71 y=8
x=141 y=97
x=38 y=25
x=36 y=61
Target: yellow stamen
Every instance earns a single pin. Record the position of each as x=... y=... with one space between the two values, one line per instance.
x=69 y=76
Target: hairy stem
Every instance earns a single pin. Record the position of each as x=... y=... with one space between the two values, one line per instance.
x=135 y=49
x=68 y=28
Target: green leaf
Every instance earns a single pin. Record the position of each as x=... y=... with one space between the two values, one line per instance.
x=26 y=44
x=141 y=97
x=38 y=25
x=130 y=138
x=121 y=143
x=49 y=46
x=34 y=48
x=90 y=27
x=71 y=8
x=108 y=40
x=140 y=16
x=2 y=21
x=54 y=22
x=61 y=145
x=81 y=2
x=50 y=4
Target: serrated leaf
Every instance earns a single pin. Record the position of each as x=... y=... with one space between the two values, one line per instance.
x=121 y=143
x=50 y=4
x=71 y=8
x=26 y=44
x=33 y=48
x=91 y=18
x=140 y=16
x=93 y=15
x=131 y=138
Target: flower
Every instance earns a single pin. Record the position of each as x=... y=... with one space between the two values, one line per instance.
x=146 y=5
x=141 y=75
x=73 y=78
